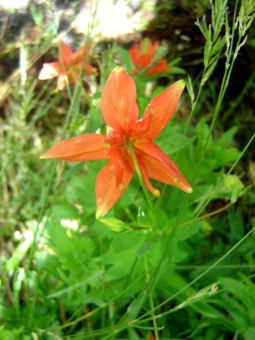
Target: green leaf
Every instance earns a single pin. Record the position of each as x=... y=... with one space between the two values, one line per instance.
x=202 y=134
x=11 y=334
x=161 y=218
x=187 y=230
x=75 y=286
x=125 y=58
x=235 y=224
x=244 y=291
x=117 y=271
x=172 y=139
x=127 y=240
x=144 y=214
x=178 y=254
x=64 y=211
x=226 y=139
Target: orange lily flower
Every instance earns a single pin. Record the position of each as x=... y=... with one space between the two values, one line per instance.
x=143 y=55
x=128 y=143
x=68 y=68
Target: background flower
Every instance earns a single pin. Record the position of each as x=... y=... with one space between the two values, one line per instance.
x=69 y=67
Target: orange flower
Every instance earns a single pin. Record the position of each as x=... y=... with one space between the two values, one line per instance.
x=68 y=68
x=143 y=58
x=128 y=143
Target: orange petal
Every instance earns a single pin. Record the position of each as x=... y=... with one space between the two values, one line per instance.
x=159 y=166
x=118 y=101
x=50 y=70
x=152 y=48
x=64 y=53
x=86 y=147
x=160 y=67
x=150 y=51
x=146 y=147
x=139 y=59
x=140 y=127
x=108 y=187
x=162 y=107
x=88 y=69
x=144 y=172
x=116 y=163
x=142 y=53
x=81 y=54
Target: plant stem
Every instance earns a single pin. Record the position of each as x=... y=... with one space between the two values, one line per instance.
x=147 y=273
x=145 y=189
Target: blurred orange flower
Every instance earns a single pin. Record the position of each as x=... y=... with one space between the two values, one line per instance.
x=68 y=68
x=143 y=56
x=128 y=144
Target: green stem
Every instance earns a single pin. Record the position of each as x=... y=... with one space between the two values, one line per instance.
x=147 y=273
x=144 y=187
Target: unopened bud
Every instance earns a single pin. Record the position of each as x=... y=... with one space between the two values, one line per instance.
x=113 y=224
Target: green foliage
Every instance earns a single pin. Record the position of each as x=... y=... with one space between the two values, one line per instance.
x=217 y=153
x=125 y=58
x=175 y=267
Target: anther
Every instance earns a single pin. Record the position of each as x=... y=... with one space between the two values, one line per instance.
x=156 y=192
x=107 y=144
x=152 y=110
x=121 y=186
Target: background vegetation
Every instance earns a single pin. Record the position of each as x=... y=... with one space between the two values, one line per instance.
x=64 y=274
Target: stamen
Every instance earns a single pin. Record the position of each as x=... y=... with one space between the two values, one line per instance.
x=121 y=186
x=107 y=144
x=156 y=192
x=152 y=110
